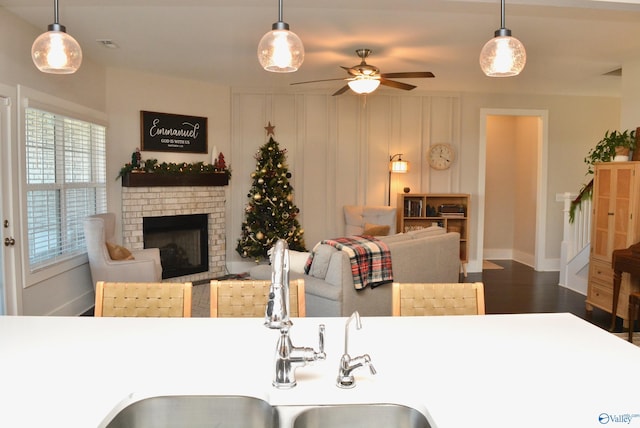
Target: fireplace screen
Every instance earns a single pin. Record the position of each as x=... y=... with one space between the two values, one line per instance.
x=182 y=240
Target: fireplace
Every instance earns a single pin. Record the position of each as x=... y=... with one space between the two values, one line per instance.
x=182 y=240
x=139 y=203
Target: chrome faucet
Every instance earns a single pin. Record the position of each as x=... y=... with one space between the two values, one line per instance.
x=348 y=364
x=277 y=310
x=288 y=357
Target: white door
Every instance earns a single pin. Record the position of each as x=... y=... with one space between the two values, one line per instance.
x=5 y=222
x=10 y=267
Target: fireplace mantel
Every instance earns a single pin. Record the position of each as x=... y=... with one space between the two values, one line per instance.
x=150 y=179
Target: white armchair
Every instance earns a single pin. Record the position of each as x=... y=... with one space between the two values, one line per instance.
x=145 y=266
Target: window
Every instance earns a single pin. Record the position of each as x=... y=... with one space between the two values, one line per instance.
x=66 y=181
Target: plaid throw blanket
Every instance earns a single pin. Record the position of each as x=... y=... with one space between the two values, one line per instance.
x=370 y=259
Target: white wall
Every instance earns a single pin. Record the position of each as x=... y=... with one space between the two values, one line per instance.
x=61 y=293
x=630 y=118
x=129 y=92
x=525 y=158
x=86 y=87
x=500 y=185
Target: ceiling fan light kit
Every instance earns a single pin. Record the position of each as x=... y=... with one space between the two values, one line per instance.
x=504 y=55
x=363 y=85
x=56 y=51
x=280 y=50
x=365 y=78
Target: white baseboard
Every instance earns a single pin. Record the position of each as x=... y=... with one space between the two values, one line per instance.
x=498 y=254
x=548 y=265
x=77 y=306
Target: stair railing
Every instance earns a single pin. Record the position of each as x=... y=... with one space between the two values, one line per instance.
x=577 y=234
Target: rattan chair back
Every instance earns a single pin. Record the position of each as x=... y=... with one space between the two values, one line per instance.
x=416 y=299
x=239 y=298
x=143 y=299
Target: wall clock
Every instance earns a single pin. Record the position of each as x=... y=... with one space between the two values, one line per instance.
x=441 y=156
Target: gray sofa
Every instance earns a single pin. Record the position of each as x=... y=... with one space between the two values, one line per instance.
x=428 y=255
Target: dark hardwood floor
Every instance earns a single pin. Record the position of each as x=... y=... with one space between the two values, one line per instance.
x=519 y=289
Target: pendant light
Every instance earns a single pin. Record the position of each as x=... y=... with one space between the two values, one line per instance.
x=504 y=55
x=56 y=51
x=280 y=50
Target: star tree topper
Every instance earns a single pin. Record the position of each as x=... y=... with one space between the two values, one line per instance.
x=270 y=129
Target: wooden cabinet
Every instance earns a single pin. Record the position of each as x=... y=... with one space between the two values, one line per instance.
x=615 y=225
x=448 y=210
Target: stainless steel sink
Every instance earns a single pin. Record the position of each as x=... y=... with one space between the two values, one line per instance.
x=361 y=416
x=191 y=411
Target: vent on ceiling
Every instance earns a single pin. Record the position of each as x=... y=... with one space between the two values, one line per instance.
x=108 y=43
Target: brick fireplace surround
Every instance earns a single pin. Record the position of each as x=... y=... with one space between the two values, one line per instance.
x=156 y=201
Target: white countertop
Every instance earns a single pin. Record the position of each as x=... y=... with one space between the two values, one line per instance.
x=551 y=370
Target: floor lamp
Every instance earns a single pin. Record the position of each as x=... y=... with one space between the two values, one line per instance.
x=396 y=166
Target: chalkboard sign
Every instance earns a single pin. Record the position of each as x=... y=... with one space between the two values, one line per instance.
x=164 y=132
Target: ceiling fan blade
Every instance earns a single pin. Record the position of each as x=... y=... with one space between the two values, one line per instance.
x=315 y=81
x=397 y=85
x=408 y=74
x=341 y=91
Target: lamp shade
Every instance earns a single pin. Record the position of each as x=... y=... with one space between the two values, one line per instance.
x=280 y=50
x=363 y=84
x=503 y=56
x=399 y=166
x=56 y=51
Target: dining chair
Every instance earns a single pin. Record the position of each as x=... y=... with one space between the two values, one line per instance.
x=248 y=298
x=416 y=299
x=143 y=299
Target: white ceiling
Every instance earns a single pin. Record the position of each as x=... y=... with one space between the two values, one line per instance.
x=570 y=44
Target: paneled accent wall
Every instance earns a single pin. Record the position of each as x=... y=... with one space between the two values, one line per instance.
x=338 y=150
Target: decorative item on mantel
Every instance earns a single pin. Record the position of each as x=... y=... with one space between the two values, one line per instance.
x=147 y=173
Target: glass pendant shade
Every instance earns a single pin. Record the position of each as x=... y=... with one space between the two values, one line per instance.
x=280 y=50
x=56 y=52
x=363 y=85
x=503 y=56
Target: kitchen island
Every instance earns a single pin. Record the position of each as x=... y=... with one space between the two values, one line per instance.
x=529 y=370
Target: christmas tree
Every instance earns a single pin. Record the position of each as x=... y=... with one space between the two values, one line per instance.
x=270 y=213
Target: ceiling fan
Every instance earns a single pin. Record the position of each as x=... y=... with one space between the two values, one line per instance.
x=365 y=78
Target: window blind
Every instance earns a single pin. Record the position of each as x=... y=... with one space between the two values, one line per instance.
x=66 y=181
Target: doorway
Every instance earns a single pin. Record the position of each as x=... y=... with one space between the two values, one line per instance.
x=512 y=185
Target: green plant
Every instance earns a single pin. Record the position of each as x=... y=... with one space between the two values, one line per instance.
x=585 y=194
x=152 y=166
x=605 y=150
